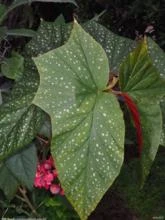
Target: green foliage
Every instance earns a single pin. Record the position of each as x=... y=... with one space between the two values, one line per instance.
x=149 y=201
x=58 y=208
x=19 y=169
x=13 y=67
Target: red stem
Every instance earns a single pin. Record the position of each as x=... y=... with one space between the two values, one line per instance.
x=136 y=119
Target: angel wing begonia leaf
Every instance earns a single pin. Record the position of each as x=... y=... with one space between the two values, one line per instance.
x=19 y=119
x=87 y=124
x=140 y=79
x=49 y=35
x=115 y=46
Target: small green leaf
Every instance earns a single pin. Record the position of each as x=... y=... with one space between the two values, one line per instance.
x=8 y=183
x=2 y=9
x=140 y=79
x=18 y=170
x=23 y=166
x=87 y=149
x=21 y=32
x=13 y=67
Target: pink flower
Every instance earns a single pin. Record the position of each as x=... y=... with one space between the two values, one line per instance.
x=48 y=178
x=55 y=188
x=45 y=175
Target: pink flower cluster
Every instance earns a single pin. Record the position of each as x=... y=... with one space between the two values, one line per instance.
x=46 y=176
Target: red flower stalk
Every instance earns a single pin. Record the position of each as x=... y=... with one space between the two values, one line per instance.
x=136 y=119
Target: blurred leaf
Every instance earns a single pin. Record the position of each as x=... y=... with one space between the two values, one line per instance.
x=3 y=31
x=87 y=149
x=140 y=79
x=18 y=170
x=8 y=183
x=2 y=9
x=23 y=166
x=13 y=67
x=21 y=32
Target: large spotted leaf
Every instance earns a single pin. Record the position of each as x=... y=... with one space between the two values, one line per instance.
x=140 y=79
x=87 y=124
x=19 y=119
x=158 y=58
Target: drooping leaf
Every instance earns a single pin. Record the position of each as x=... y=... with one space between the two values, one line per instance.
x=21 y=32
x=140 y=79
x=23 y=166
x=87 y=149
x=158 y=58
x=151 y=120
x=13 y=67
x=19 y=120
x=2 y=9
x=116 y=47
x=8 y=183
x=18 y=170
